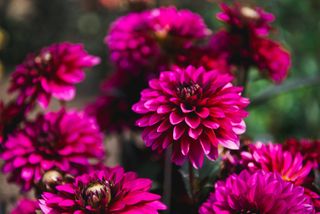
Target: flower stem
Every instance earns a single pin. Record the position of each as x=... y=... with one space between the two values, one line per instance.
x=167 y=178
x=63 y=103
x=193 y=184
x=242 y=78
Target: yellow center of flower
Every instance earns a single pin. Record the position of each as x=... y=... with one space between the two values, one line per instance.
x=51 y=178
x=250 y=13
x=186 y=91
x=43 y=58
x=161 y=34
x=98 y=194
x=245 y=211
x=286 y=178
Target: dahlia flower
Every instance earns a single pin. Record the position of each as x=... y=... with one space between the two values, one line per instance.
x=172 y=25
x=53 y=72
x=244 y=44
x=260 y=192
x=239 y=17
x=271 y=58
x=26 y=206
x=194 y=110
x=63 y=141
x=271 y=157
x=310 y=149
x=150 y=38
x=108 y=191
x=130 y=44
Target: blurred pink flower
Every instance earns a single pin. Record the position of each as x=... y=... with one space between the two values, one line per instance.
x=152 y=39
x=63 y=141
x=259 y=192
x=271 y=58
x=244 y=42
x=52 y=72
x=130 y=43
x=255 y=20
x=178 y=27
x=108 y=191
x=193 y=110
x=26 y=206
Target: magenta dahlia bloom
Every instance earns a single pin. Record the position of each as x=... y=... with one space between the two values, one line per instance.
x=239 y=17
x=310 y=149
x=260 y=192
x=26 y=206
x=130 y=44
x=193 y=110
x=271 y=157
x=271 y=58
x=244 y=42
x=63 y=141
x=108 y=191
x=171 y=25
x=151 y=39
x=53 y=72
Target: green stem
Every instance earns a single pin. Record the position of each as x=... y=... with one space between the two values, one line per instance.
x=167 y=183
x=242 y=77
x=286 y=87
x=193 y=184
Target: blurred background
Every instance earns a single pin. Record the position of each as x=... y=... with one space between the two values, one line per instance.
x=291 y=109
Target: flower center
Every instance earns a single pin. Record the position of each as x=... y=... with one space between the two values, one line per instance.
x=47 y=143
x=286 y=178
x=43 y=58
x=248 y=211
x=188 y=90
x=51 y=178
x=250 y=13
x=98 y=194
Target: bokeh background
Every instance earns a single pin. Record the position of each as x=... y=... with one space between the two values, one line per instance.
x=277 y=112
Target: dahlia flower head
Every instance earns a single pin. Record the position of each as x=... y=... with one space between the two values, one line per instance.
x=259 y=192
x=107 y=191
x=130 y=44
x=141 y=40
x=255 y=20
x=194 y=111
x=182 y=25
x=271 y=157
x=26 y=206
x=310 y=149
x=271 y=58
x=245 y=42
x=66 y=141
x=53 y=72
